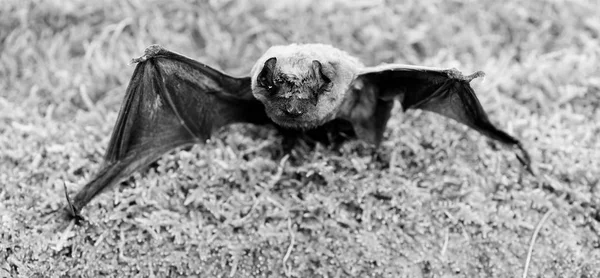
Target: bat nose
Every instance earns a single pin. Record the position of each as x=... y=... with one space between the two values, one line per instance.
x=293 y=111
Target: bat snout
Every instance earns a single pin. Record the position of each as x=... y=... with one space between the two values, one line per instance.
x=294 y=107
x=292 y=111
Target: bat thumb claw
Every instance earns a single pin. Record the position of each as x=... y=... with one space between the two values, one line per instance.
x=456 y=74
x=150 y=52
x=477 y=74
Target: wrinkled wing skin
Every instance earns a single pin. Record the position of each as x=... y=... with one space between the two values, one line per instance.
x=443 y=91
x=171 y=101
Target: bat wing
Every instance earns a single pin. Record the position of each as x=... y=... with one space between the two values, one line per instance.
x=171 y=101
x=444 y=91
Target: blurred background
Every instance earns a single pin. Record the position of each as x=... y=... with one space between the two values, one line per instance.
x=446 y=202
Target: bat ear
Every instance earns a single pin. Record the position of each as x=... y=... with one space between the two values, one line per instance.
x=317 y=70
x=270 y=64
x=265 y=77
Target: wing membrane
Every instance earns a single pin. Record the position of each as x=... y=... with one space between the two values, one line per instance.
x=443 y=91
x=171 y=101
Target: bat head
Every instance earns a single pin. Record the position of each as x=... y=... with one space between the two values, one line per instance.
x=292 y=94
x=300 y=85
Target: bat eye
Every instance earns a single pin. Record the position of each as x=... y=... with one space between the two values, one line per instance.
x=265 y=84
x=271 y=87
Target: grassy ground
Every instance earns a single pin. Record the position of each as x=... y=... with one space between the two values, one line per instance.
x=442 y=201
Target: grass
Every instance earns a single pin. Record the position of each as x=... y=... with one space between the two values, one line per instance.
x=440 y=201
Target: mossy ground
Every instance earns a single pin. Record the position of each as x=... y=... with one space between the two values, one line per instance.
x=439 y=201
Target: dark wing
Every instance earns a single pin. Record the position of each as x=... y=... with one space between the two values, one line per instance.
x=171 y=101
x=443 y=91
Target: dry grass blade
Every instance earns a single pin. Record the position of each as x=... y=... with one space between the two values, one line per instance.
x=538 y=227
x=288 y=270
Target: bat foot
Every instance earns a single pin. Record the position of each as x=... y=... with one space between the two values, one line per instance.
x=150 y=52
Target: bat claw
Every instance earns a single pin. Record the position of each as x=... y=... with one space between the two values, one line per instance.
x=523 y=157
x=477 y=74
x=71 y=212
x=150 y=52
x=456 y=74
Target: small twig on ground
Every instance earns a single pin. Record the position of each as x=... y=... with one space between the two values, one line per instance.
x=121 y=246
x=257 y=148
x=393 y=162
x=265 y=190
x=445 y=245
x=532 y=241
x=234 y=266
x=289 y=250
x=91 y=106
x=240 y=221
x=337 y=259
x=100 y=238
x=279 y=173
x=462 y=225
x=276 y=203
x=64 y=236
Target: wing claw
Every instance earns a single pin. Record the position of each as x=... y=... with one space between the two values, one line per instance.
x=477 y=74
x=150 y=52
x=456 y=74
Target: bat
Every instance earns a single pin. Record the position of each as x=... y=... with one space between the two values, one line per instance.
x=173 y=101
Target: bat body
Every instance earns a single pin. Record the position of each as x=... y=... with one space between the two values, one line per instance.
x=174 y=101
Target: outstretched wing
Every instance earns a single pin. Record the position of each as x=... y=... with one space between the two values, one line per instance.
x=171 y=101
x=443 y=91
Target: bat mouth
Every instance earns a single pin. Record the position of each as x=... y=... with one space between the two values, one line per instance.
x=303 y=122
x=296 y=117
x=288 y=120
x=294 y=122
